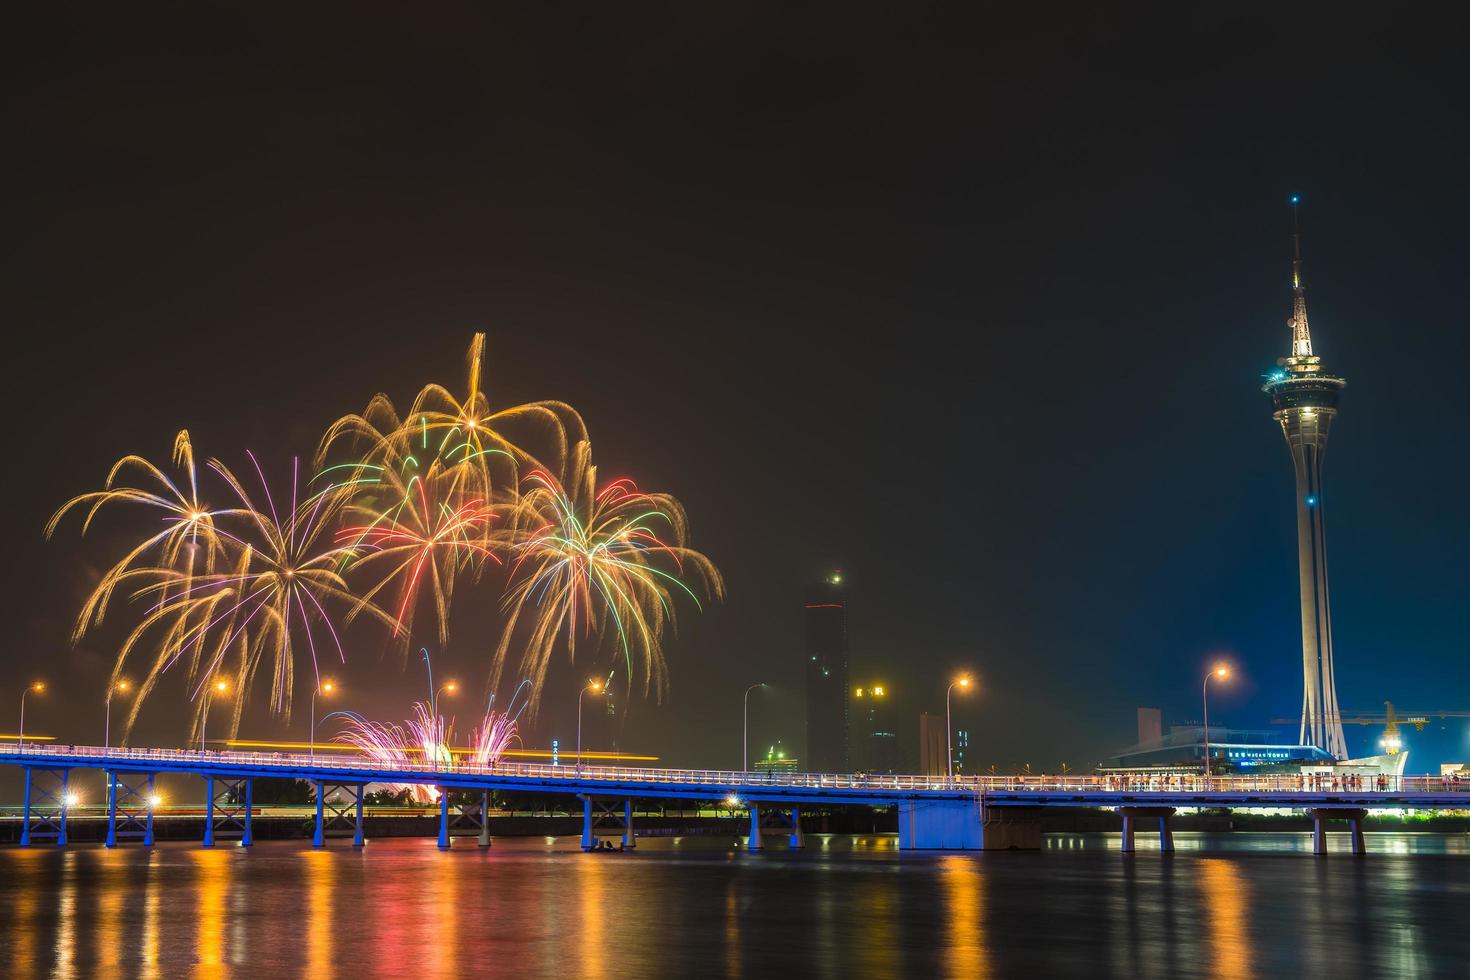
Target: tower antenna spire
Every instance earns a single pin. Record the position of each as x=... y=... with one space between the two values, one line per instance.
x=1301 y=334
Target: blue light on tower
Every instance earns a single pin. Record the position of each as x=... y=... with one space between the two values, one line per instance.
x=1312 y=500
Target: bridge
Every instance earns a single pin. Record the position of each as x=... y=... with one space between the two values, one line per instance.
x=961 y=813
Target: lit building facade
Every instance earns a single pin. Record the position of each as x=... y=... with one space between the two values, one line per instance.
x=827 y=689
x=776 y=759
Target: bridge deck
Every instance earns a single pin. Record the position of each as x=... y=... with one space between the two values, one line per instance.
x=1395 y=792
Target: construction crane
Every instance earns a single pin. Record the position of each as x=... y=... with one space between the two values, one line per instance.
x=1393 y=742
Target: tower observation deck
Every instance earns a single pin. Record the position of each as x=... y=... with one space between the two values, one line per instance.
x=1304 y=401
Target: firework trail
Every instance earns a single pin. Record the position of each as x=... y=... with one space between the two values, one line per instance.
x=593 y=563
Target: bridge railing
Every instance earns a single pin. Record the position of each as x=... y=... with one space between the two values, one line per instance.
x=734 y=781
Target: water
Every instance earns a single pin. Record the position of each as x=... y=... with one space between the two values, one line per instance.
x=1242 y=905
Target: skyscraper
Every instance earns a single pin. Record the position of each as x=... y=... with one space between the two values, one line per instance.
x=877 y=742
x=826 y=676
x=1304 y=401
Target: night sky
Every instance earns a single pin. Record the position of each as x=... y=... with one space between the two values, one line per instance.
x=974 y=308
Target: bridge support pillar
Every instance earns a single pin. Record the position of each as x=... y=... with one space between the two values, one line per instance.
x=335 y=815
x=44 y=814
x=227 y=809
x=443 y=818
x=796 y=842
x=319 y=832
x=485 y=819
x=208 y=811
x=753 y=842
x=152 y=795
x=25 y=817
x=1355 y=825
x=952 y=824
x=111 y=808
x=1354 y=817
x=596 y=813
x=1163 y=816
x=247 y=836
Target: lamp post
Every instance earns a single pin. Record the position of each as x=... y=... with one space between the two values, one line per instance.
x=949 y=728
x=121 y=687
x=596 y=688
x=745 y=736
x=40 y=688
x=326 y=687
x=218 y=687
x=1220 y=671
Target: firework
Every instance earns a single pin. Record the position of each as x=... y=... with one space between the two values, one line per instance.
x=415 y=530
x=187 y=542
x=269 y=602
x=591 y=563
x=424 y=739
x=466 y=440
x=498 y=730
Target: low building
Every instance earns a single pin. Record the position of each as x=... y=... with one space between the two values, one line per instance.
x=1234 y=750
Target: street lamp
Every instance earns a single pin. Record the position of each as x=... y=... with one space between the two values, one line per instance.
x=218 y=687
x=40 y=688
x=745 y=736
x=448 y=687
x=327 y=687
x=949 y=726
x=121 y=687
x=1221 y=671
x=596 y=688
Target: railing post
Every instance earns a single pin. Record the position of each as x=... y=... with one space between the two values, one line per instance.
x=318 y=837
x=25 y=827
x=112 y=808
x=753 y=842
x=629 y=840
x=247 y=837
x=208 y=811
x=357 y=838
x=443 y=818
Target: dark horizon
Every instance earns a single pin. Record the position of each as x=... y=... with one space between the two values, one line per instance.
x=976 y=310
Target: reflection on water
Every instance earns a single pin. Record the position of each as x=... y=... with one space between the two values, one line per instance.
x=965 y=929
x=1230 y=906
x=212 y=888
x=320 y=865
x=1225 y=901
